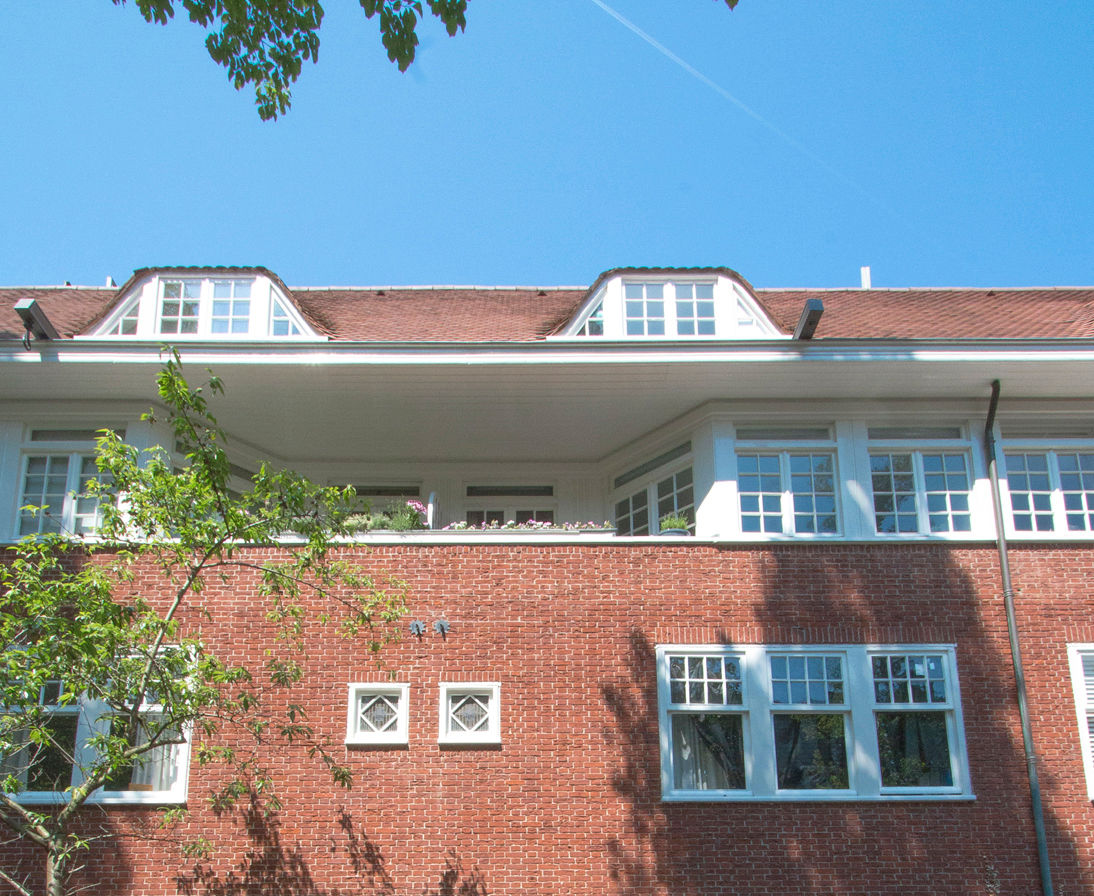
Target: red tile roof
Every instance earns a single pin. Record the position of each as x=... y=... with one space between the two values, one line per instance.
x=71 y=309
x=503 y=314
x=939 y=313
x=440 y=314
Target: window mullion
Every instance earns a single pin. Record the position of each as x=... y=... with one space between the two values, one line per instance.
x=923 y=521
x=671 y=328
x=865 y=772
x=72 y=489
x=759 y=734
x=788 y=495
x=89 y=721
x=1056 y=496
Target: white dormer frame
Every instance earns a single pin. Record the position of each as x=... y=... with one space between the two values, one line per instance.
x=737 y=314
x=272 y=314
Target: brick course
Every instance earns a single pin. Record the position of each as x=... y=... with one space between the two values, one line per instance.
x=570 y=801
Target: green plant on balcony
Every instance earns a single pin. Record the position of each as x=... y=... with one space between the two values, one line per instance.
x=674 y=524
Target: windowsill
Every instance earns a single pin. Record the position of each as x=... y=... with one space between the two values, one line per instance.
x=814 y=797
x=131 y=798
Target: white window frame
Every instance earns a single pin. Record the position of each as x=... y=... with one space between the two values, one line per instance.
x=1059 y=513
x=490 y=733
x=757 y=710
x=75 y=452
x=94 y=717
x=785 y=450
x=357 y=735
x=1082 y=682
x=917 y=448
x=670 y=317
x=509 y=505
x=647 y=485
x=232 y=300
x=206 y=288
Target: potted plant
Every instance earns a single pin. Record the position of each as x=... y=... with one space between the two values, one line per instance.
x=674 y=524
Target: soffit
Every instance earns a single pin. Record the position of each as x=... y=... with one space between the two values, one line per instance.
x=506 y=405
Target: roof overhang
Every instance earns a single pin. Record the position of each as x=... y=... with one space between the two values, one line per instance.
x=531 y=402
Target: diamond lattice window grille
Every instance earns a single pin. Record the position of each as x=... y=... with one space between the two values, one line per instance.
x=469 y=712
x=377 y=712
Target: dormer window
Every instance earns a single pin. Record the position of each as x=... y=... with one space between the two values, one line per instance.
x=696 y=303
x=281 y=324
x=199 y=303
x=694 y=309
x=231 y=306
x=644 y=307
x=126 y=325
x=181 y=305
x=219 y=307
x=594 y=323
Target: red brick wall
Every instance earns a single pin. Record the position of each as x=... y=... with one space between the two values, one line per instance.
x=570 y=801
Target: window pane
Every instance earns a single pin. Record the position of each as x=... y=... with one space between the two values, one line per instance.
x=814 y=679
x=708 y=752
x=154 y=770
x=50 y=764
x=468 y=712
x=810 y=752
x=914 y=748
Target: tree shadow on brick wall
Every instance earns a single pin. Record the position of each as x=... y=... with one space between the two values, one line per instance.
x=839 y=595
x=456 y=881
x=272 y=867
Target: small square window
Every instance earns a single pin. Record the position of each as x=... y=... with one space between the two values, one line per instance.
x=470 y=713
x=377 y=714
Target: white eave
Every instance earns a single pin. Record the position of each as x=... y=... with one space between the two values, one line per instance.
x=533 y=401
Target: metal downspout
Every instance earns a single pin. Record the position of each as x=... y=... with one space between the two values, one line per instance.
x=1015 y=653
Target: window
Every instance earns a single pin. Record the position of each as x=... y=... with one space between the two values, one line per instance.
x=672 y=494
x=788 y=492
x=839 y=722
x=205 y=307
x=377 y=714
x=673 y=309
x=180 y=306
x=676 y=496
x=638 y=510
x=632 y=514
x=694 y=309
x=920 y=492
x=58 y=464
x=594 y=323
x=1051 y=491
x=126 y=324
x=231 y=306
x=498 y=504
x=54 y=760
x=470 y=713
x=1081 y=660
x=281 y=324
x=644 y=309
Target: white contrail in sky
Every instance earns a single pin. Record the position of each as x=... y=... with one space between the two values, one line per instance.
x=725 y=94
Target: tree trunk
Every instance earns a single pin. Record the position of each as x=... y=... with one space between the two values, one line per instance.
x=56 y=870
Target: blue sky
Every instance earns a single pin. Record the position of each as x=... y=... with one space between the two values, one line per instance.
x=793 y=140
